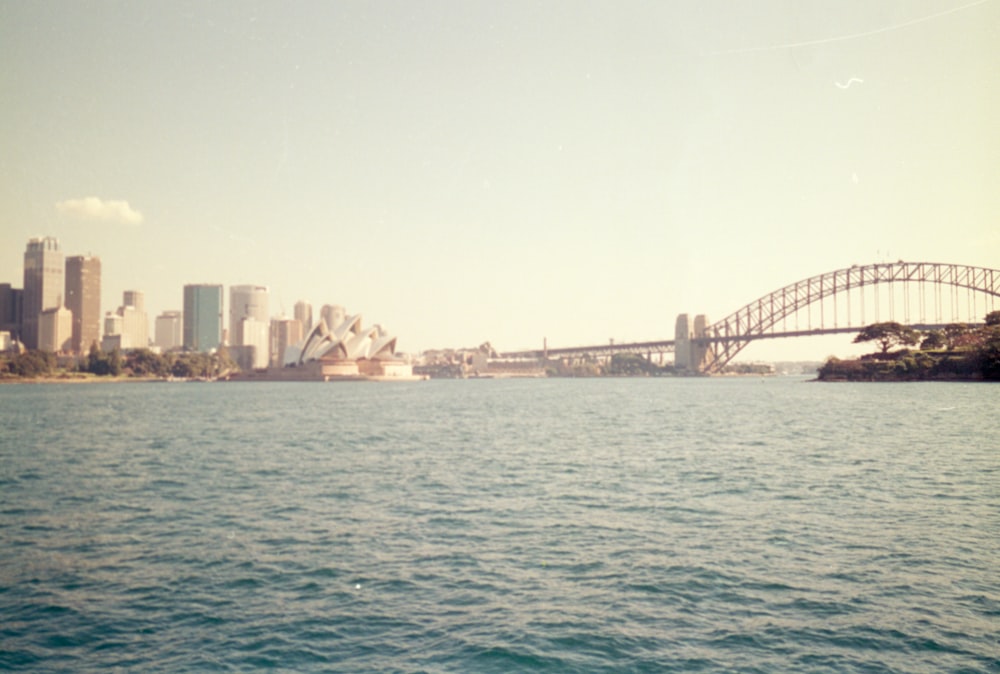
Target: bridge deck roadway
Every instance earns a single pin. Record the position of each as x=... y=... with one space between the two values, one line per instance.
x=667 y=346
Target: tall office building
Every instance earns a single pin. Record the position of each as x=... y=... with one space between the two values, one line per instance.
x=43 y=285
x=114 y=325
x=55 y=330
x=249 y=325
x=333 y=315
x=246 y=302
x=135 y=299
x=127 y=328
x=202 y=317
x=135 y=322
x=169 y=332
x=83 y=299
x=284 y=333
x=304 y=315
x=10 y=310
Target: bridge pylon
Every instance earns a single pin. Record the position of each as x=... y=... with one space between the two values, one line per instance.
x=690 y=352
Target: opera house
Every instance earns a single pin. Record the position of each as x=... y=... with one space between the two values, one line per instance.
x=346 y=352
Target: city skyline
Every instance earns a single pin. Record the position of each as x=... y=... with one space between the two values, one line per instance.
x=471 y=173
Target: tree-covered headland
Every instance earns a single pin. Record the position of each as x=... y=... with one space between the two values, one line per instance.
x=956 y=352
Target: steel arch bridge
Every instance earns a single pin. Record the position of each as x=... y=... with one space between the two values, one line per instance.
x=759 y=319
x=708 y=348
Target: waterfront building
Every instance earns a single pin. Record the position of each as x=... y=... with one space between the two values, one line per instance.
x=246 y=301
x=135 y=328
x=346 y=352
x=128 y=327
x=112 y=338
x=169 y=331
x=43 y=285
x=249 y=325
x=304 y=315
x=285 y=332
x=113 y=324
x=348 y=343
x=55 y=330
x=83 y=299
x=202 y=317
x=11 y=300
x=256 y=344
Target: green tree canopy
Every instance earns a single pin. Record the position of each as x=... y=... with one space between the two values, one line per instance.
x=988 y=352
x=958 y=334
x=933 y=340
x=32 y=364
x=144 y=363
x=888 y=335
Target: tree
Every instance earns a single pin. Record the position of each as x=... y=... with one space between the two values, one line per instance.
x=933 y=340
x=988 y=353
x=993 y=318
x=115 y=362
x=143 y=363
x=888 y=335
x=957 y=334
x=223 y=363
x=32 y=363
x=97 y=363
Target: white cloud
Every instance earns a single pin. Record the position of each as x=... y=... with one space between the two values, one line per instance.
x=93 y=208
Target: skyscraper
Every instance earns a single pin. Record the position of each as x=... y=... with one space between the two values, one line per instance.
x=83 y=299
x=169 y=334
x=135 y=299
x=135 y=322
x=249 y=325
x=43 y=285
x=333 y=315
x=55 y=330
x=304 y=315
x=284 y=333
x=202 y=317
x=10 y=310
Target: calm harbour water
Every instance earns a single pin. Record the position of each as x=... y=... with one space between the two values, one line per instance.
x=756 y=525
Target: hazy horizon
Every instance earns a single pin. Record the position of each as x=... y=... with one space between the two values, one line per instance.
x=464 y=172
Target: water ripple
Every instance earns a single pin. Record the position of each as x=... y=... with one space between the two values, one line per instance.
x=564 y=526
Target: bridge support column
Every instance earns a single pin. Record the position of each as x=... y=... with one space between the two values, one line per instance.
x=699 y=350
x=682 y=343
x=689 y=353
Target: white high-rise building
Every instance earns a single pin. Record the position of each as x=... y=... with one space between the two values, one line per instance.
x=127 y=328
x=285 y=332
x=134 y=298
x=135 y=322
x=333 y=315
x=249 y=324
x=55 y=330
x=113 y=326
x=168 y=331
x=43 y=285
x=257 y=334
x=246 y=301
x=304 y=315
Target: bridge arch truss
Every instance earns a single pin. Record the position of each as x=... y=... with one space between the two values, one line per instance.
x=762 y=317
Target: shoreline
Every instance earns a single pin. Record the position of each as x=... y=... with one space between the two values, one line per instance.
x=82 y=380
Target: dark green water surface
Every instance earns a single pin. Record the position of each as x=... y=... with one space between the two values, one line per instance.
x=754 y=525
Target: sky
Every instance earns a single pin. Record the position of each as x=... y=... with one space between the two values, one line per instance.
x=471 y=171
